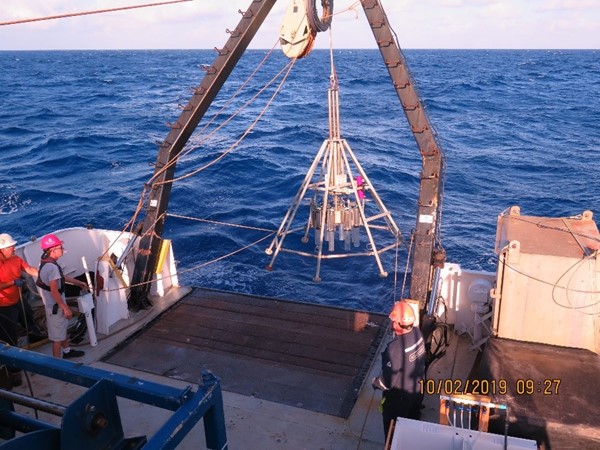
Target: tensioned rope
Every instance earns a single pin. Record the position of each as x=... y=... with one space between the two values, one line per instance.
x=196 y=267
x=129 y=226
x=194 y=145
x=216 y=222
x=86 y=13
x=248 y=130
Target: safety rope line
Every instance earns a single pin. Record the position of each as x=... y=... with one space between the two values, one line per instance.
x=130 y=224
x=86 y=13
x=200 y=139
x=198 y=219
x=410 y=247
x=248 y=130
x=555 y=285
x=124 y=230
x=204 y=264
x=145 y=191
x=568 y=290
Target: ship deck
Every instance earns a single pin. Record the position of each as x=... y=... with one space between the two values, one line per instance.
x=296 y=354
x=275 y=360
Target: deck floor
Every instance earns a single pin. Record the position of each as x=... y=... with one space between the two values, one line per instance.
x=553 y=393
x=261 y=347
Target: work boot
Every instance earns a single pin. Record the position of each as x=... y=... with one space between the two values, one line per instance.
x=73 y=354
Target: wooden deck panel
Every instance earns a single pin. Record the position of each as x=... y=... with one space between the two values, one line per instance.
x=299 y=354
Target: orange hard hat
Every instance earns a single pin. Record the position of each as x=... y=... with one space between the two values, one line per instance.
x=403 y=314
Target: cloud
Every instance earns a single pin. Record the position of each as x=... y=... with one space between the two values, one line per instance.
x=202 y=24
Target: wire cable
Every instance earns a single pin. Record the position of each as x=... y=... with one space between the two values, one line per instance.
x=86 y=13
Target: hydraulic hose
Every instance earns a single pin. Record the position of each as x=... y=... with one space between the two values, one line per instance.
x=315 y=22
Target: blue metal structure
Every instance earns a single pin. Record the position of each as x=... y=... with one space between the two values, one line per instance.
x=93 y=421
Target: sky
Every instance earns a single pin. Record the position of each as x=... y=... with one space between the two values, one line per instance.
x=201 y=24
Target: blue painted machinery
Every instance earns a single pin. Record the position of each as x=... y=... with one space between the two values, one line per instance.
x=93 y=421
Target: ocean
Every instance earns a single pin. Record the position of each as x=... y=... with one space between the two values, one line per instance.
x=79 y=134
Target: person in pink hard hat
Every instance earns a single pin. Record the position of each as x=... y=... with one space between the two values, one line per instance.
x=52 y=282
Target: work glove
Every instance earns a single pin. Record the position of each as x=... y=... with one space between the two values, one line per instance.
x=19 y=282
x=378 y=384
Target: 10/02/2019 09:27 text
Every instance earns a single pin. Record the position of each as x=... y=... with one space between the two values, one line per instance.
x=521 y=386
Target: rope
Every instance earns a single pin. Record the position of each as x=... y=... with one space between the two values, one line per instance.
x=192 y=145
x=539 y=224
x=197 y=219
x=241 y=249
x=86 y=13
x=412 y=239
x=250 y=127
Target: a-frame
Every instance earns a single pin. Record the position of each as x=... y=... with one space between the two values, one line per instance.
x=429 y=201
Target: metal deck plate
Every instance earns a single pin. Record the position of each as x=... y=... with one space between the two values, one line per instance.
x=304 y=355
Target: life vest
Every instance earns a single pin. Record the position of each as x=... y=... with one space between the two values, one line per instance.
x=44 y=286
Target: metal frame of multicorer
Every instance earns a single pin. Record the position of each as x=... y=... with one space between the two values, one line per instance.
x=425 y=235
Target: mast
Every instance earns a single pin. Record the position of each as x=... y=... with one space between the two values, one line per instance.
x=192 y=113
x=430 y=192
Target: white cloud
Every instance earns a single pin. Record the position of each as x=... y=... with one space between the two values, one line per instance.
x=202 y=24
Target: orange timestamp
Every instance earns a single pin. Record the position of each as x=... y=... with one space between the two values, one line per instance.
x=520 y=386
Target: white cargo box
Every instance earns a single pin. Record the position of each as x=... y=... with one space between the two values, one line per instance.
x=548 y=280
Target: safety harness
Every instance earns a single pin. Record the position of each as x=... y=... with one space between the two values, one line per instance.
x=44 y=286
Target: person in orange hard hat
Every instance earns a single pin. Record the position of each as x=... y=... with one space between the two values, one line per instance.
x=403 y=368
x=52 y=282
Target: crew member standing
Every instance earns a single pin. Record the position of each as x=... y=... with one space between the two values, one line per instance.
x=403 y=367
x=52 y=281
x=11 y=270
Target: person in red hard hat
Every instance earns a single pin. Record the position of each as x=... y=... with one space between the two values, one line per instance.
x=403 y=368
x=52 y=282
x=11 y=269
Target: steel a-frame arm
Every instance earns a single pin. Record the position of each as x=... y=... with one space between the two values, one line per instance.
x=160 y=189
x=430 y=192
x=229 y=55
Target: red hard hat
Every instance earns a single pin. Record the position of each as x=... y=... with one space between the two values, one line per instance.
x=49 y=241
x=403 y=314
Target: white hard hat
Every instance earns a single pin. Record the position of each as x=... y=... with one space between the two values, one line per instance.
x=6 y=241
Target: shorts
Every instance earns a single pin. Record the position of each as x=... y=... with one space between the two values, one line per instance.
x=57 y=325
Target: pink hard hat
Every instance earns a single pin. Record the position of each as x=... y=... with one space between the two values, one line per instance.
x=49 y=241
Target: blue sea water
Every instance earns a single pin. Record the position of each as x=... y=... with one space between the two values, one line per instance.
x=79 y=133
